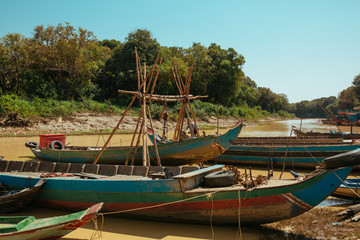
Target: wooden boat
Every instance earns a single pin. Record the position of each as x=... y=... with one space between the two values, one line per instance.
x=305 y=152
x=331 y=134
x=152 y=193
x=30 y=228
x=192 y=150
x=14 y=199
x=350 y=189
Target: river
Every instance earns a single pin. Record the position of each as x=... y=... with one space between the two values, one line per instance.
x=116 y=228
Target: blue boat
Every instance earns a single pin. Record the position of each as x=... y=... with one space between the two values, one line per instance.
x=180 y=198
x=349 y=189
x=293 y=152
x=192 y=150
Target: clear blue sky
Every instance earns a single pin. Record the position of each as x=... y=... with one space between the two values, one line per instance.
x=305 y=49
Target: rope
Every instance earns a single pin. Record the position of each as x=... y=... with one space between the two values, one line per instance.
x=162 y=204
x=343 y=182
x=211 y=217
x=239 y=233
x=97 y=233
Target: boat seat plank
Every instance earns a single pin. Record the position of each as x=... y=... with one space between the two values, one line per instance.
x=46 y=167
x=76 y=168
x=3 y=166
x=187 y=169
x=108 y=170
x=155 y=169
x=91 y=168
x=200 y=171
x=30 y=166
x=174 y=170
x=62 y=167
x=125 y=170
x=15 y=166
x=140 y=171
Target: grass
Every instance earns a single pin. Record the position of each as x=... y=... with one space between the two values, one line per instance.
x=41 y=108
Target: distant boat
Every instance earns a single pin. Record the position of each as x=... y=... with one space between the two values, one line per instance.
x=350 y=189
x=30 y=228
x=176 y=194
x=192 y=150
x=14 y=199
x=330 y=134
x=294 y=152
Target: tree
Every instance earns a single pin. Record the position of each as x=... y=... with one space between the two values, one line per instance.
x=14 y=61
x=68 y=56
x=267 y=99
x=348 y=98
x=111 y=44
x=356 y=83
x=120 y=70
x=197 y=57
x=225 y=74
x=248 y=93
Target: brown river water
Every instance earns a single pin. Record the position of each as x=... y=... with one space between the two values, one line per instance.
x=116 y=228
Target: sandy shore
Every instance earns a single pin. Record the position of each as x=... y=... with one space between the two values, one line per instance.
x=92 y=123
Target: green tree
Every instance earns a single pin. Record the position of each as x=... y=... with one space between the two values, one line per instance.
x=356 y=84
x=348 y=98
x=197 y=57
x=225 y=74
x=120 y=70
x=248 y=93
x=71 y=57
x=14 y=61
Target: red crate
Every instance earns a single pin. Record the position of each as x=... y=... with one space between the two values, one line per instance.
x=46 y=139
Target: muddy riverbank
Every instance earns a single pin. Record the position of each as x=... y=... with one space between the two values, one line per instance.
x=318 y=223
x=90 y=123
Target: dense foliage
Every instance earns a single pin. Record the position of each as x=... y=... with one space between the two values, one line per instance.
x=60 y=67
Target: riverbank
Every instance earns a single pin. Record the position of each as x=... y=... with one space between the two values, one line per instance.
x=314 y=224
x=89 y=123
x=319 y=223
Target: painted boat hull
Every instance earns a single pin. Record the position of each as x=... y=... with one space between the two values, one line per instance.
x=14 y=200
x=179 y=199
x=308 y=156
x=53 y=228
x=350 y=189
x=189 y=151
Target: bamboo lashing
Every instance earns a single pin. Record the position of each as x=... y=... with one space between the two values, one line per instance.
x=158 y=97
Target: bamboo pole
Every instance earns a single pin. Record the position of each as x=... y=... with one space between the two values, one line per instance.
x=137 y=67
x=154 y=134
x=152 y=73
x=137 y=144
x=145 y=149
x=156 y=78
x=113 y=132
x=133 y=138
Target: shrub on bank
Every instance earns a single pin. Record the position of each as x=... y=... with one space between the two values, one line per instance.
x=39 y=107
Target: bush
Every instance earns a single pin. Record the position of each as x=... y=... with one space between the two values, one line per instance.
x=40 y=107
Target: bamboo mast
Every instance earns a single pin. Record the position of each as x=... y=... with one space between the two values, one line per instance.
x=143 y=130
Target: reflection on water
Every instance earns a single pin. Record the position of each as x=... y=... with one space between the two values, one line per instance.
x=13 y=148
x=270 y=128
